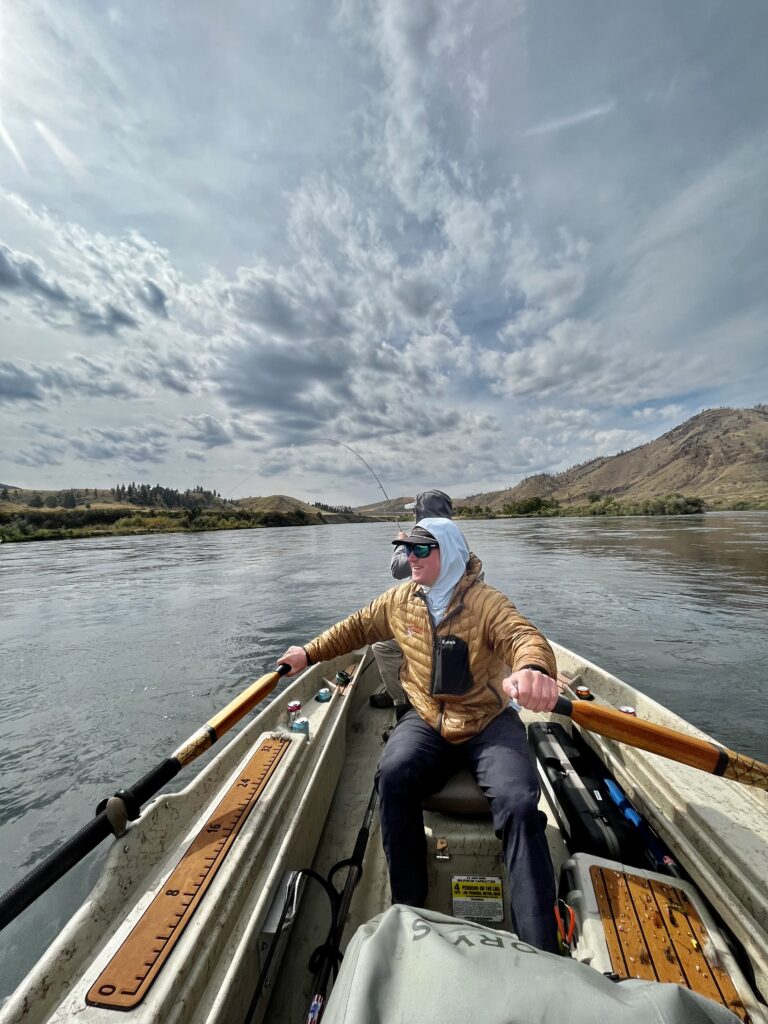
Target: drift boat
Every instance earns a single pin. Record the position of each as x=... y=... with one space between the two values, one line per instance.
x=202 y=912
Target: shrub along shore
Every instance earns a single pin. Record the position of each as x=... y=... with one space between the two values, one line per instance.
x=33 y=523
x=62 y=524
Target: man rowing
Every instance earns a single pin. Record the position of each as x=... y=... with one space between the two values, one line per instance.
x=466 y=652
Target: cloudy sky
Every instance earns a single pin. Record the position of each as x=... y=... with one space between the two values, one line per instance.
x=473 y=241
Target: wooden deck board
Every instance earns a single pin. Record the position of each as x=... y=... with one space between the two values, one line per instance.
x=653 y=931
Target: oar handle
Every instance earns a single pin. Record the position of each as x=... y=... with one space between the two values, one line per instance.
x=128 y=801
x=223 y=720
x=658 y=739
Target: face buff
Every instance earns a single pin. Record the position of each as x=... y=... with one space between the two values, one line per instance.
x=454 y=554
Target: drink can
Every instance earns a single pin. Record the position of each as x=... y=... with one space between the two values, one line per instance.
x=294 y=710
x=301 y=724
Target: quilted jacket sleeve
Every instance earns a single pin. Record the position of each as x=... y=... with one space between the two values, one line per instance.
x=514 y=639
x=363 y=627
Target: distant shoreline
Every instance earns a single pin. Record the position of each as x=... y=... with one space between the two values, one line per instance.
x=22 y=525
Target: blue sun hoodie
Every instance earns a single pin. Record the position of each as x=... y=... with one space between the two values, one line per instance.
x=454 y=555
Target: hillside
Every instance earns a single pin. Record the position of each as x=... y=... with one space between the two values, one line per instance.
x=274 y=503
x=386 y=510
x=285 y=505
x=720 y=455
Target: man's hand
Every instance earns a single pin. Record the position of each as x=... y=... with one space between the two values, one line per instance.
x=401 y=535
x=296 y=657
x=532 y=690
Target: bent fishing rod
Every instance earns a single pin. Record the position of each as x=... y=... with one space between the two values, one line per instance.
x=114 y=813
x=370 y=469
x=341 y=444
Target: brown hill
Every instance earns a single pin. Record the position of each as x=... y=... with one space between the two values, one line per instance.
x=284 y=504
x=275 y=503
x=720 y=455
x=396 y=506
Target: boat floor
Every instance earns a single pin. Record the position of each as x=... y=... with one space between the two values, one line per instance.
x=293 y=987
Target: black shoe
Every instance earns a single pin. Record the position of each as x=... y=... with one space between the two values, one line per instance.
x=381 y=700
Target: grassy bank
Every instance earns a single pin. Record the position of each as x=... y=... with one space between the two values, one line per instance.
x=59 y=524
x=25 y=523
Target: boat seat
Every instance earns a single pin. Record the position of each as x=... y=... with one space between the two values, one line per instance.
x=460 y=795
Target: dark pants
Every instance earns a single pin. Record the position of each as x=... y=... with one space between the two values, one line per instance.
x=417 y=761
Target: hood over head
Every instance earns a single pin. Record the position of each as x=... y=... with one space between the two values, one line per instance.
x=454 y=555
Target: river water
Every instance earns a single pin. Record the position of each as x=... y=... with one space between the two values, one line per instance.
x=113 y=650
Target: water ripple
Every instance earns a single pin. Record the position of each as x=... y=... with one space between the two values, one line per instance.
x=115 y=649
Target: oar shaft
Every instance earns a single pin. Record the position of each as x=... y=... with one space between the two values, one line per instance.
x=49 y=871
x=658 y=739
x=55 y=865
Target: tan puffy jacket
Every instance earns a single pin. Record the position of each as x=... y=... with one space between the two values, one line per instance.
x=499 y=638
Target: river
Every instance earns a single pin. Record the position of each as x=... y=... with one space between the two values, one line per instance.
x=113 y=650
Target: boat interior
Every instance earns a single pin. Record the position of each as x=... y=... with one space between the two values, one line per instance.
x=199 y=914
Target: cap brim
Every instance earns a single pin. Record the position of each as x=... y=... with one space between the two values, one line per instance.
x=418 y=538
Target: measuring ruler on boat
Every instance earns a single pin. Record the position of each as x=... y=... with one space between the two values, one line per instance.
x=127 y=978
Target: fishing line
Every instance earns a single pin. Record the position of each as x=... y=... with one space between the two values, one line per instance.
x=370 y=469
x=342 y=444
x=260 y=466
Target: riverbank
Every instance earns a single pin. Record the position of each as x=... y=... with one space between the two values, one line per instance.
x=66 y=524
x=24 y=523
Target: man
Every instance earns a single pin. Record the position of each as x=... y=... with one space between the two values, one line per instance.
x=387 y=653
x=460 y=638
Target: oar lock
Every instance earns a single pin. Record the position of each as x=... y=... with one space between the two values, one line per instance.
x=120 y=808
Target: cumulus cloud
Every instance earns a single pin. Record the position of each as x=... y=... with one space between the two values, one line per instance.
x=437 y=228
x=132 y=444
x=206 y=431
x=25 y=277
x=86 y=377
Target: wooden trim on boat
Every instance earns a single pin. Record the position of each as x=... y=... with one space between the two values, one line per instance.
x=653 y=931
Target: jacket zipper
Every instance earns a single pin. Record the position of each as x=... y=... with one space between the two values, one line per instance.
x=449 y=615
x=420 y=594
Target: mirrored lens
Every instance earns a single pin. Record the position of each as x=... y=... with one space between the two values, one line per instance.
x=420 y=550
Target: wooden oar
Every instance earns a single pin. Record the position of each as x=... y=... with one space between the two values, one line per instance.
x=677 y=746
x=113 y=814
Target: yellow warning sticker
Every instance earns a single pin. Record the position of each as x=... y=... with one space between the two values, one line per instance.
x=479 y=897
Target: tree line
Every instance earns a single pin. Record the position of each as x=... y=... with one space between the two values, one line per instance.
x=164 y=497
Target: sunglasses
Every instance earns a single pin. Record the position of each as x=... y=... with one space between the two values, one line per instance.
x=420 y=550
